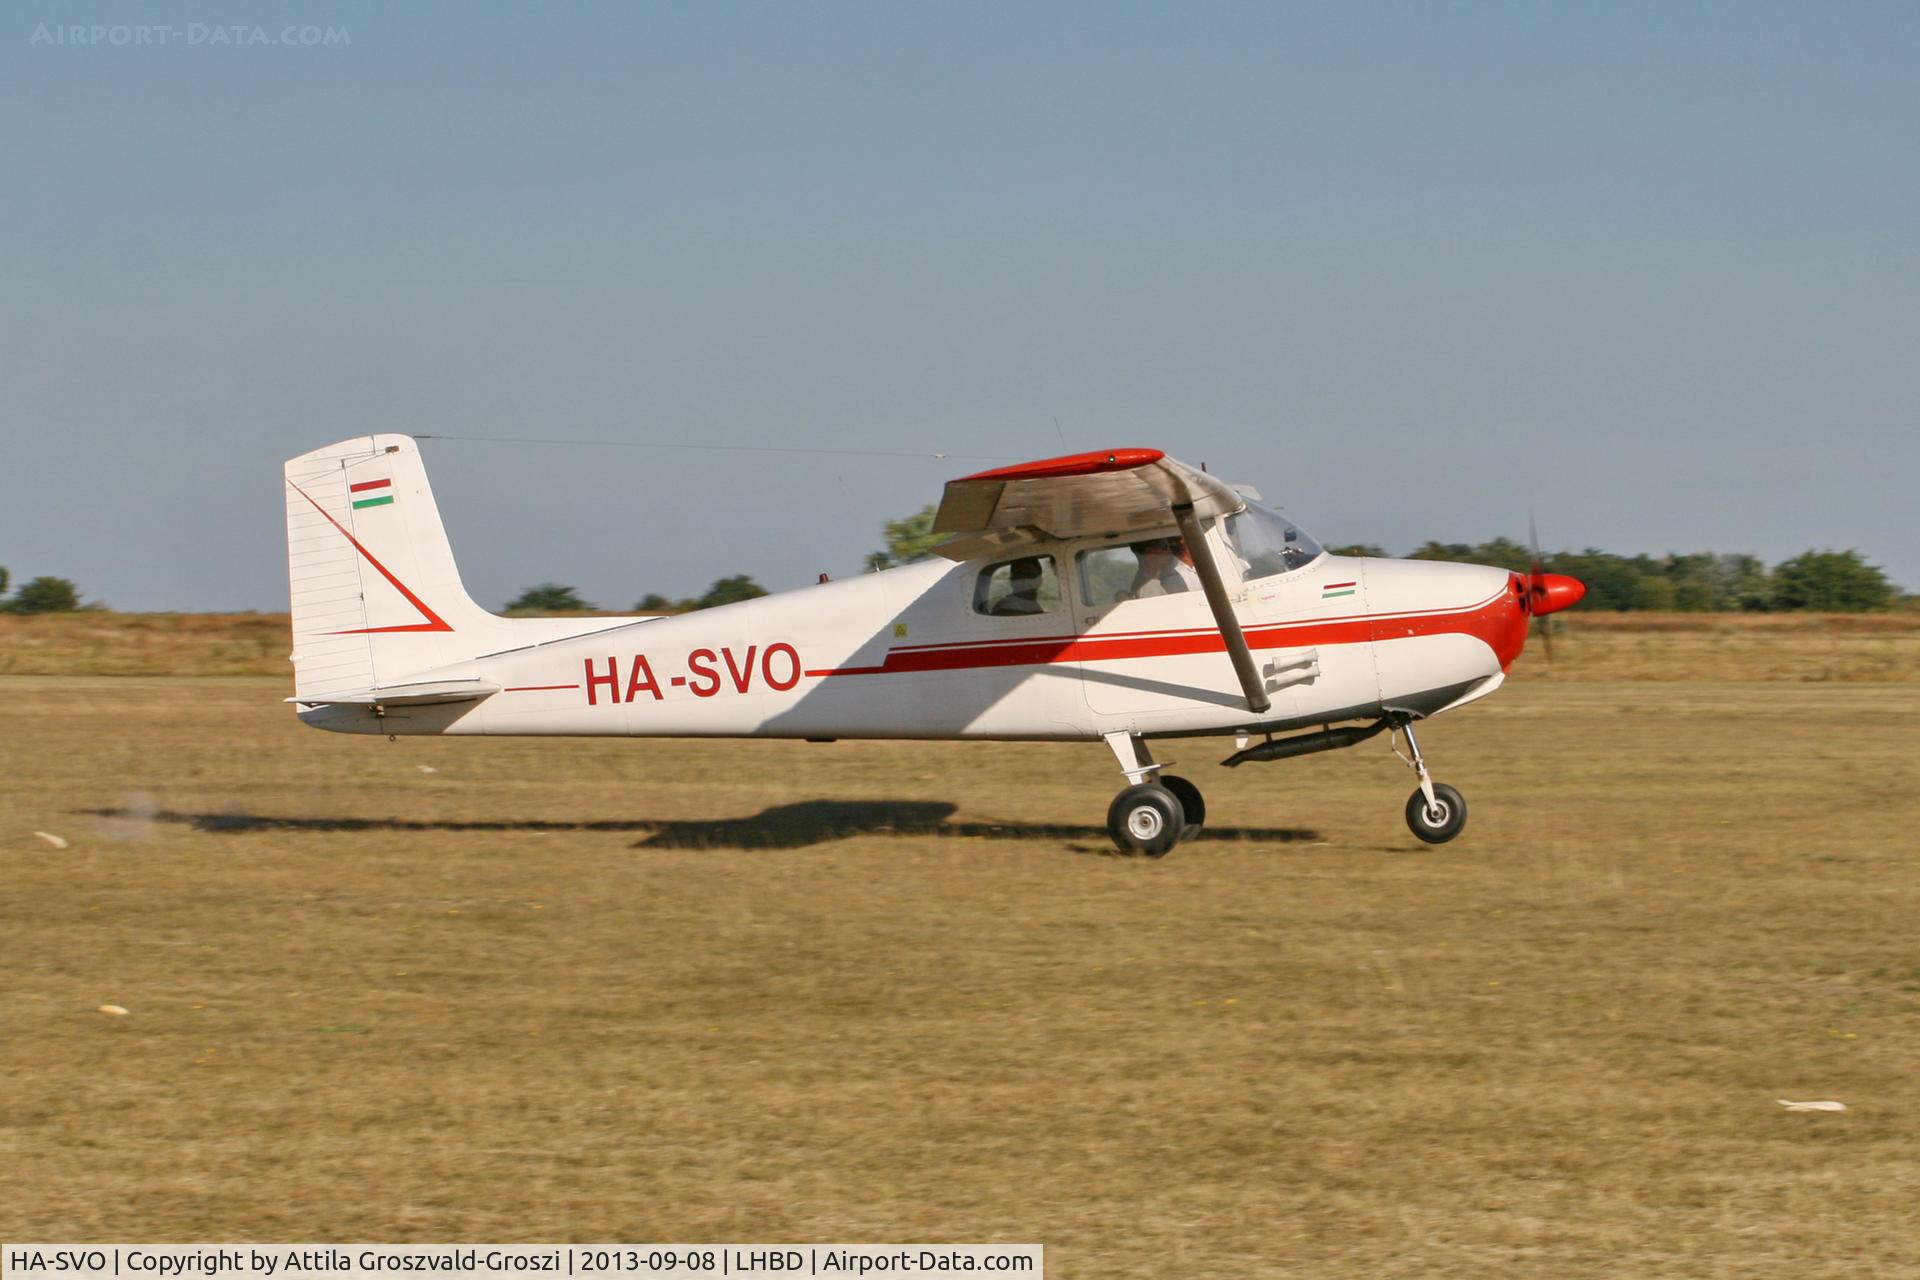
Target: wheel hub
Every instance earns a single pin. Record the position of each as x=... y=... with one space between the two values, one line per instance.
x=1144 y=822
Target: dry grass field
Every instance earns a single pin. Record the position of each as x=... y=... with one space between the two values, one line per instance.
x=530 y=990
x=1587 y=646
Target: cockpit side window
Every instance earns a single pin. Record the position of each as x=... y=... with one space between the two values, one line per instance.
x=1017 y=588
x=1268 y=543
x=1136 y=571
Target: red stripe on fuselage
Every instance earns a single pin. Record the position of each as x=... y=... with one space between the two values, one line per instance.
x=364 y=485
x=1487 y=621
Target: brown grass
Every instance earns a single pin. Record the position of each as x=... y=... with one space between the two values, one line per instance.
x=1849 y=648
x=92 y=643
x=760 y=991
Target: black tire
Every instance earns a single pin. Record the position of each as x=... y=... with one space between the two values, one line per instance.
x=1191 y=803
x=1146 y=819
x=1451 y=818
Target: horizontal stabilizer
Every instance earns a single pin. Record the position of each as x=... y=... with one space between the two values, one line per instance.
x=423 y=694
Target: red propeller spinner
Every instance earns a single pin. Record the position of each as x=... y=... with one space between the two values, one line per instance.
x=1547 y=592
x=1552 y=592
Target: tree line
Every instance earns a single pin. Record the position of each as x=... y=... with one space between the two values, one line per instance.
x=556 y=597
x=1698 y=582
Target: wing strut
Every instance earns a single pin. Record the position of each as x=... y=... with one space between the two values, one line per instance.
x=1216 y=589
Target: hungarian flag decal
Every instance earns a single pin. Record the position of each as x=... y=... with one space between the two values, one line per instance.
x=368 y=493
x=1334 y=590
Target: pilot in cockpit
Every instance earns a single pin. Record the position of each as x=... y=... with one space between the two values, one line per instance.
x=1166 y=568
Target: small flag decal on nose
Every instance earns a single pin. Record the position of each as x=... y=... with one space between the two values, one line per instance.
x=372 y=498
x=1334 y=590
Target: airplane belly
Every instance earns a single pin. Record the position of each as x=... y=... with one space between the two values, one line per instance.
x=1039 y=701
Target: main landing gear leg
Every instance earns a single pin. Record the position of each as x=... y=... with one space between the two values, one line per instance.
x=1436 y=813
x=1150 y=816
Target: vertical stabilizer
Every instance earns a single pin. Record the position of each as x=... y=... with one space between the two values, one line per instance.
x=376 y=596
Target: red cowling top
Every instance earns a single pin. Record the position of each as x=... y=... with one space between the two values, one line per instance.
x=1074 y=464
x=1552 y=592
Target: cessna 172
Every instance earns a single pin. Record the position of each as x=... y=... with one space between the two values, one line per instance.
x=1118 y=595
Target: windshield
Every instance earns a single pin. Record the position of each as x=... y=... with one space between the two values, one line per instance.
x=1268 y=543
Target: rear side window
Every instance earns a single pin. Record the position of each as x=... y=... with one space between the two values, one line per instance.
x=1017 y=588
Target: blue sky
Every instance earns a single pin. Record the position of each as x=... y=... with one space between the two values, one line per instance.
x=1649 y=271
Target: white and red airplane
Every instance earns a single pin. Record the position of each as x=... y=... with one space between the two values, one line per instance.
x=1118 y=595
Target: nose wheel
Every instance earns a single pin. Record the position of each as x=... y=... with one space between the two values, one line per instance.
x=1436 y=812
x=1438 y=820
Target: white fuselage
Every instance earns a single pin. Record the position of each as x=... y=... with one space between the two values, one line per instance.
x=905 y=653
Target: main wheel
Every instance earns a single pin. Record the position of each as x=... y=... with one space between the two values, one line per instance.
x=1441 y=823
x=1146 y=819
x=1191 y=804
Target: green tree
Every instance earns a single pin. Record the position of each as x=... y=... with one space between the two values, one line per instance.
x=1372 y=549
x=730 y=591
x=909 y=539
x=548 y=597
x=4 y=579
x=654 y=602
x=1695 y=584
x=1456 y=551
x=1824 y=581
x=1748 y=584
x=1654 y=594
x=1705 y=582
x=1504 y=553
x=45 y=595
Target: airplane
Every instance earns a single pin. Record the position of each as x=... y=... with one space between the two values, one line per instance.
x=1118 y=596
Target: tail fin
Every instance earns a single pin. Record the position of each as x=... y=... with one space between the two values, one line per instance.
x=376 y=596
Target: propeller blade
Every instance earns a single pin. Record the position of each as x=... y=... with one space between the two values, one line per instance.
x=1537 y=593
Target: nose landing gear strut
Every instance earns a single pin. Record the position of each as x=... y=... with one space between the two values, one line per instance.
x=1436 y=812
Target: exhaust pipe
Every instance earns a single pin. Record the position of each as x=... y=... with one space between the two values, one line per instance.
x=1305 y=744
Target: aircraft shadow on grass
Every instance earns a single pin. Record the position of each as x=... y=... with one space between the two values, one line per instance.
x=786 y=826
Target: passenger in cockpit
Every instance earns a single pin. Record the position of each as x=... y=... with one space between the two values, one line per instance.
x=1023 y=590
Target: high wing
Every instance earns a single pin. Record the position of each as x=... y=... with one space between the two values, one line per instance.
x=1113 y=493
